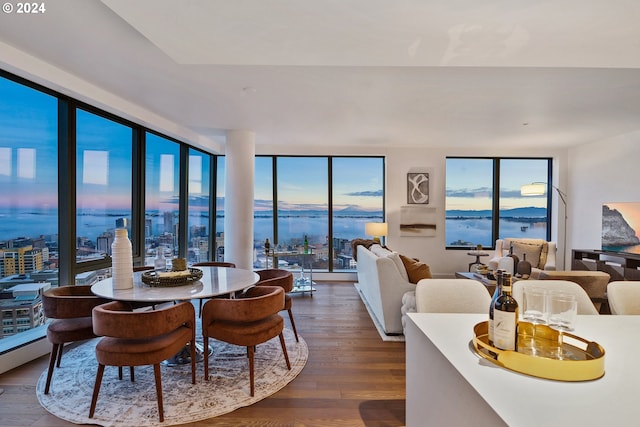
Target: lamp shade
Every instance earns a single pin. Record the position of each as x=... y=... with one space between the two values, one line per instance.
x=375 y=229
x=533 y=189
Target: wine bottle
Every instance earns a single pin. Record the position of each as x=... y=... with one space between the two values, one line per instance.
x=505 y=317
x=306 y=244
x=496 y=294
x=267 y=246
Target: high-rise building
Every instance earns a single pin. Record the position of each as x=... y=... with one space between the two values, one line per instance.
x=21 y=260
x=168 y=222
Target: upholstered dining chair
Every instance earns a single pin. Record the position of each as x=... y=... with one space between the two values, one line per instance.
x=585 y=305
x=137 y=338
x=284 y=279
x=624 y=296
x=69 y=307
x=248 y=320
x=211 y=264
x=451 y=296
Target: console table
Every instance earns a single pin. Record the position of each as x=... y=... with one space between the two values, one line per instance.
x=620 y=266
x=302 y=283
x=448 y=384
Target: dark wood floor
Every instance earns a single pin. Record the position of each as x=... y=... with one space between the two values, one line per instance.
x=352 y=378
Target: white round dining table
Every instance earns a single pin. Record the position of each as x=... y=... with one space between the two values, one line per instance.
x=215 y=281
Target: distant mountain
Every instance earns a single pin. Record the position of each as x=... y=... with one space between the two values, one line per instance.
x=526 y=212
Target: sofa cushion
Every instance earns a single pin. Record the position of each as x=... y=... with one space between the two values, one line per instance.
x=395 y=257
x=415 y=270
x=383 y=252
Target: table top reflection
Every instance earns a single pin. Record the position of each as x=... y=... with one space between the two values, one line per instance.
x=215 y=281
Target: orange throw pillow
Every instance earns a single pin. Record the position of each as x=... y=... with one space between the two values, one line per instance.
x=415 y=270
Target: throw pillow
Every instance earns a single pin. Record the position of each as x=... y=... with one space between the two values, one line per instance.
x=532 y=251
x=364 y=242
x=379 y=251
x=415 y=270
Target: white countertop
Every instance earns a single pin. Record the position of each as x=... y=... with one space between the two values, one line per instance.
x=521 y=400
x=215 y=281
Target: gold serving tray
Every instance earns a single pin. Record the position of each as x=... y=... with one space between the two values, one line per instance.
x=581 y=360
x=152 y=278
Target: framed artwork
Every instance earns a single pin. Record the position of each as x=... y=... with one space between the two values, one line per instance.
x=418 y=188
x=417 y=221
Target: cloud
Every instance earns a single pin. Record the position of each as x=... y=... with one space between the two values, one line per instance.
x=483 y=192
x=376 y=193
x=470 y=193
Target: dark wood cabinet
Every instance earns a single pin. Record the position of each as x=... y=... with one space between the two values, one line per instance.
x=620 y=266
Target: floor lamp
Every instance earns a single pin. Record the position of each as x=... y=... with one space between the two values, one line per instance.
x=539 y=189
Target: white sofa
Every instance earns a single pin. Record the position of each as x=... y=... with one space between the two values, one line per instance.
x=382 y=281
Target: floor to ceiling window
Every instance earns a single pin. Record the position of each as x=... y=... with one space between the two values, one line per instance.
x=303 y=206
x=324 y=199
x=198 y=203
x=28 y=205
x=357 y=198
x=162 y=196
x=484 y=200
x=103 y=184
x=263 y=226
x=219 y=208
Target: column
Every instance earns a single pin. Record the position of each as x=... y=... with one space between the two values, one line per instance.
x=238 y=198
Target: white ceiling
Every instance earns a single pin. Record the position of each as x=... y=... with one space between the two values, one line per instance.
x=357 y=72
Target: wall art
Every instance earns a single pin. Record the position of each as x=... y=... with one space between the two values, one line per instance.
x=418 y=188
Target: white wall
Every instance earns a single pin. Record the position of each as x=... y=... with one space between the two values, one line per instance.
x=600 y=172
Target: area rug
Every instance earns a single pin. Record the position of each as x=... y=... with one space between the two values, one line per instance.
x=379 y=328
x=123 y=403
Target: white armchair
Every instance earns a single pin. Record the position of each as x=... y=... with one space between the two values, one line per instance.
x=540 y=253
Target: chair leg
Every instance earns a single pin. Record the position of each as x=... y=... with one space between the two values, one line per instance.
x=205 y=341
x=193 y=360
x=250 y=352
x=52 y=362
x=120 y=372
x=284 y=350
x=156 y=372
x=131 y=375
x=293 y=325
x=59 y=355
x=96 y=389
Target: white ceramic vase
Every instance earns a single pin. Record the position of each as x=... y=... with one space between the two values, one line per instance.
x=121 y=261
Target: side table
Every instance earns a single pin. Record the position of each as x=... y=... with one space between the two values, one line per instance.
x=477 y=254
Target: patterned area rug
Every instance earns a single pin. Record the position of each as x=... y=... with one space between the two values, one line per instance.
x=123 y=403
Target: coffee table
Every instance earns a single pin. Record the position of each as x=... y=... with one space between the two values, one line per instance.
x=489 y=284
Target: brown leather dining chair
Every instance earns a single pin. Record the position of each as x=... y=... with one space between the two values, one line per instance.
x=284 y=279
x=137 y=338
x=248 y=320
x=212 y=264
x=69 y=307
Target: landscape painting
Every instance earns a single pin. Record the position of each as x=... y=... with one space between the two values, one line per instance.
x=621 y=227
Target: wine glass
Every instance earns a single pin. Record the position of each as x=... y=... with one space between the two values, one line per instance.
x=563 y=312
x=534 y=311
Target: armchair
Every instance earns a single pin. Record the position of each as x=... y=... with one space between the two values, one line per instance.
x=540 y=253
